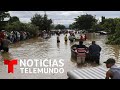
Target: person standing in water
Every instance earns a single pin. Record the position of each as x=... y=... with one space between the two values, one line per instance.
x=81 y=52
x=94 y=52
x=58 y=39
x=5 y=44
x=65 y=38
x=81 y=38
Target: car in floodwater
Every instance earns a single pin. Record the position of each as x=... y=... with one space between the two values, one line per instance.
x=103 y=33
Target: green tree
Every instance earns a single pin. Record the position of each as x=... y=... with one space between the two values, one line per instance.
x=15 y=26
x=18 y=26
x=52 y=26
x=3 y=15
x=110 y=24
x=114 y=25
x=85 y=22
x=38 y=21
x=46 y=23
x=59 y=26
x=72 y=26
x=13 y=19
x=97 y=27
x=42 y=22
x=32 y=29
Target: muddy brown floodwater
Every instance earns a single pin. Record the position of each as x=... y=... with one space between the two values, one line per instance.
x=38 y=48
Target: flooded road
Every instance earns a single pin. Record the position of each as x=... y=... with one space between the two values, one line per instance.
x=38 y=48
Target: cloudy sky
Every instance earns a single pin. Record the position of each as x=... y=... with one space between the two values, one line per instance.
x=63 y=17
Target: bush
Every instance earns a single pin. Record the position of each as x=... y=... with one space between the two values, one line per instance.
x=18 y=26
x=15 y=26
x=32 y=29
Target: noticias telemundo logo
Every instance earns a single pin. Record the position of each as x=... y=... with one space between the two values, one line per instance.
x=36 y=65
x=10 y=64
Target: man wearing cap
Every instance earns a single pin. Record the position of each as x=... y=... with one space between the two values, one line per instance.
x=114 y=71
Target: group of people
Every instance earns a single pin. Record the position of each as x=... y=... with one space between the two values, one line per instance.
x=65 y=38
x=83 y=37
x=82 y=51
x=15 y=36
x=93 y=51
x=72 y=37
x=94 y=56
x=11 y=37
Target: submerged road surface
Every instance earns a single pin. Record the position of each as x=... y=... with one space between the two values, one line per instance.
x=38 y=48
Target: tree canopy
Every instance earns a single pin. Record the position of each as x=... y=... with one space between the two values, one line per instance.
x=72 y=26
x=13 y=19
x=3 y=15
x=42 y=22
x=59 y=26
x=84 y=22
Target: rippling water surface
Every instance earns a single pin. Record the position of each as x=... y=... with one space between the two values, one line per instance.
x=38 y=48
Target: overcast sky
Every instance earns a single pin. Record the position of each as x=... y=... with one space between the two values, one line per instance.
x=63 y=17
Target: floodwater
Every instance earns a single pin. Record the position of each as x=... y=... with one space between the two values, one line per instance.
x=38 y=48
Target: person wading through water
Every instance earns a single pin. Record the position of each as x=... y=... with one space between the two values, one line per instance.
x=58 y=40
x=94 y=52
x=5 y=44
x=65 y=38
x=81 y=53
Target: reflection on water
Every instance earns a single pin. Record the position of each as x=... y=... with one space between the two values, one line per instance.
x=58 y=45
x=38 y=48
x=7 y=55
x=66 y=43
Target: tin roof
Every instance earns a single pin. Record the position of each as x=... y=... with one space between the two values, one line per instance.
x=98 y=72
